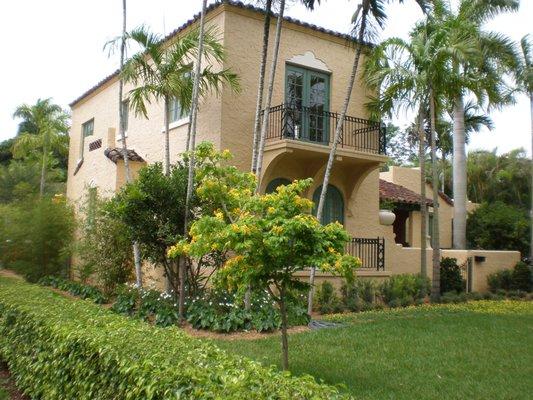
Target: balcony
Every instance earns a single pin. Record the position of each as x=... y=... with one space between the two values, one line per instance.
x=307 y=125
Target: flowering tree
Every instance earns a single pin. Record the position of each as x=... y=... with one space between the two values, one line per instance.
x=269 y=237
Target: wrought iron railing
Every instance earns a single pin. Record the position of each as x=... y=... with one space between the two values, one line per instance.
x=371 y=251
x=310 y=125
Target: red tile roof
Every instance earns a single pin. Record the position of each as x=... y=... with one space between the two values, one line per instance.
x=116 y=154
x=399 y=194
x=214 y=6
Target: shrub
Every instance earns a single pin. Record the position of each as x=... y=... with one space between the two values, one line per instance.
x=519 y=278
x=522 y=278
x=359 y=295
x=326 y=299
x=404 y=289
x=58 y=348
x=104 y=249
x=221 y=311
x=35 y=237
x=498 y=226
x=74 y=288
x=450 y=276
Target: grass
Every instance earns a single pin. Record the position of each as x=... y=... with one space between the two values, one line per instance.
x=475 y=350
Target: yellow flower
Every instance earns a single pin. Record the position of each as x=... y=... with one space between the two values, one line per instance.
x=219 y=215
x=271 y=210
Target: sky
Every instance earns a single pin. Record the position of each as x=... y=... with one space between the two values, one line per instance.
x=54 y=48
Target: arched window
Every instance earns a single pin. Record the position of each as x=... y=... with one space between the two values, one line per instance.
x=333 y=207
x=274 y=183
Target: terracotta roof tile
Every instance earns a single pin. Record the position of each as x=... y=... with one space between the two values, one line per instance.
x=213 y=6
x=116 y=154
x=399 y=194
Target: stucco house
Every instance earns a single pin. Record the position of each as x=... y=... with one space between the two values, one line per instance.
x=312 y=73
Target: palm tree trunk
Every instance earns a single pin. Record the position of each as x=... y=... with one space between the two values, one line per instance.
x=43 y=166
x=459 y=175
x=423 y=203
x=435 y=287
x=336 y=139
x=264 y=126
x=531 y=211
x=122 y=134
x=261 y=86
x=167 y=136
x=192 y=146
x=284 y=326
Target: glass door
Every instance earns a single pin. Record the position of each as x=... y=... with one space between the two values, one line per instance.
x=307 y=105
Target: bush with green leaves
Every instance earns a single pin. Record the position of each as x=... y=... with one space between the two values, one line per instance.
x=498 y=226
x=146 y=304
x=519 y=278
x=326 y=299
x=77 y=289
x=62 y=349
x=359 y=295
x=221 y=311
x=104 y=247
x=404 y=289
x=36 y=237
x=451 y=279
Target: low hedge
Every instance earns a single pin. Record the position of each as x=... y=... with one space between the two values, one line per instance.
x=59 y=348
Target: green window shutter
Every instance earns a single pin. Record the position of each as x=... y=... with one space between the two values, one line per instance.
x=333 y=207
x=274 y=183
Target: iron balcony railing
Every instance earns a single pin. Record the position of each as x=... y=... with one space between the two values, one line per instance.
x=308 y=124
x=371 y=251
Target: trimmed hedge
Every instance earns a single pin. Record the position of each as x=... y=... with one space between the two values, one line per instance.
x=59 y=348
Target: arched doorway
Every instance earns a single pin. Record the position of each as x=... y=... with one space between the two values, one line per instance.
x=274 y=183
x=333 y=207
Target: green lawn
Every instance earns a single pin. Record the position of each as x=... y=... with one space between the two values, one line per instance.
x=475 y=350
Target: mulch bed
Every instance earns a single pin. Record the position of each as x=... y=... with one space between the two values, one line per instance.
x=8 y=384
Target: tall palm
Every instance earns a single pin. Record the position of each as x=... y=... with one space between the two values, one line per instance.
x=162 y=71
x=43 y=129
x=191 y=147
x=524 y=79
x=479 y=74
x=368 y=18
x=258 y=166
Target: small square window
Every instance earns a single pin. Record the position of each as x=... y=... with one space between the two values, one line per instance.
x=176 y=111
x=88 y=128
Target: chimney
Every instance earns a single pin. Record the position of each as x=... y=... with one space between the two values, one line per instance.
x=111 y=143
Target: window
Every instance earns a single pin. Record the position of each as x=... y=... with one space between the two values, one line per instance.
x=92 y=198
x=333 y=207
x=176 y=111
x=125 y=114
x=88 y=128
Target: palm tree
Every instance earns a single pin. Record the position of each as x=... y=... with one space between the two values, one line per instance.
x=368 y=18
x=191 y=147
x=43 y=128
x=524 y=79
x=479 y=73
x=163 y=71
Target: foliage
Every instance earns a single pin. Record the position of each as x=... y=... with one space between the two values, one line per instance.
x=498 y=226
x=74 y=288
x=451 y=279
x=19 y=180
x=84 y=351
x=519 y=278
x=326 y=299
x=104 y=247
x=152 y=208
x=359 y=295
x=6 y=153
x=148 y=304
x=35 y=237
x=269 y=237
x=404 y=289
